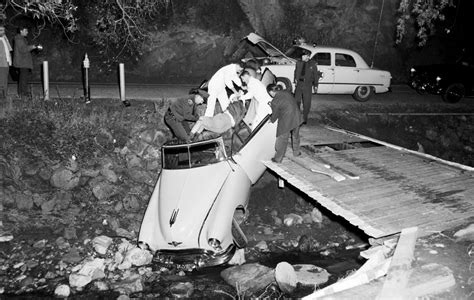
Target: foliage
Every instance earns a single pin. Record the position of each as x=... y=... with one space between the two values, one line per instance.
x=62 y=128
x=426 y=14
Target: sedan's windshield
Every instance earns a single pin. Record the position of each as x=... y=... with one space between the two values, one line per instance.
x=193 y=155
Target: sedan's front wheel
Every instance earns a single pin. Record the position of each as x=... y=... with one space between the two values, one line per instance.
x=285 y=84
x=454 y=93
x=363 y=93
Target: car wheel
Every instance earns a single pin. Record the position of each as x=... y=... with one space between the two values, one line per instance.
x=363 y=93
x=240 y=240
x=454 y=93
x=285 y=84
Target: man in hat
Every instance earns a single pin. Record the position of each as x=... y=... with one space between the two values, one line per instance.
x=23 y=61
x=5 y=62
x=285 y=110
x=306 y=80
x=182 y=111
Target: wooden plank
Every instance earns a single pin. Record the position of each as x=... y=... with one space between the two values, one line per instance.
x=400 y=268
x=313 y=166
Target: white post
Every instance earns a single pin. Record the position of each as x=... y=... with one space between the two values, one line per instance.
x=45 y=80
x=122 y=81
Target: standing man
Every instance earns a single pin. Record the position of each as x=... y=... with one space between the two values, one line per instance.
x=225 y=78
x=306 y=80
x=23 y=61
x=5 y=62
x=285 y=110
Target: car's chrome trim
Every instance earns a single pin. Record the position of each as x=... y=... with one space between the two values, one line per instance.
x=195 y=256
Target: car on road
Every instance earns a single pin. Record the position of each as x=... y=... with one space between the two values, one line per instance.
x=343 y=71
x=452 y=81
x=202 y=193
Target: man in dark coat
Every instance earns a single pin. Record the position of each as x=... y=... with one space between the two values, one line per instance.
x=22 y=60
x=182 y=111
x=285 y=110
x=306 y=80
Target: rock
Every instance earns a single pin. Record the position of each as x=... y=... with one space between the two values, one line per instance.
x=103 y=190
x=32 y=168
x=141 y=176
x=78 y=280
x=24 y=201
x=70 y=233
x=62 y=291
x=316 y=215
x=124 y=233
x=101 y=244
x=109 y=175
x=131 y=202
x=45 y=173
x=285 y=276
x=465 y=234
x=238 y=258
x=262 y=246
x=310 y=275
x=62 y=199
x=101 y=286
x=48 y=206
x=38 y=199
x=304 y=243
x=72 y=256
x=62 y=243
x=40 y=244
x=132 y=284
x=64 y=179
x=292 y=219
x=139 y=257
x=277 y=221
x=248 y=278
x=267 y=231
x=90 y=172
x=133 y=161
x=182 y=289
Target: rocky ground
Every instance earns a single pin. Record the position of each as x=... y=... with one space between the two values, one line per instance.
x=76 y=180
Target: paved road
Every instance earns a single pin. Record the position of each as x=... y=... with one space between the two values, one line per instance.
x=401 y=94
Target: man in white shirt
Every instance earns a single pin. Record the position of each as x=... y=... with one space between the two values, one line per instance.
x=257 y=90
x=226 y=76
x=5 y=62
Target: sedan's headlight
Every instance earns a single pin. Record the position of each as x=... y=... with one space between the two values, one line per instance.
x=412 y=70
x=438 y=79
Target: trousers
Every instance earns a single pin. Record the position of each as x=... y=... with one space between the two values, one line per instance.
x=281 y=144
x=304 y=92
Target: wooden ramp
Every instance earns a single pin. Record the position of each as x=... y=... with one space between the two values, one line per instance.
x=385 y=189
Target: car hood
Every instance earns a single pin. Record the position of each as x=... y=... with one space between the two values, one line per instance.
x=268 y=49
x=186 y=196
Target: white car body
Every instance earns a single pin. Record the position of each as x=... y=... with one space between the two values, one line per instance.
x=343 y=71
x=190 y=215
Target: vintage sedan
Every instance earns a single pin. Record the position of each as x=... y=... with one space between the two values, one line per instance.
x=343 y=71
x=452 y=81
x=202 y=193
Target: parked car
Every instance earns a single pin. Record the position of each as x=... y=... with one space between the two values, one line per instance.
x=343 y=71
x=202 y=193
x=452 y=81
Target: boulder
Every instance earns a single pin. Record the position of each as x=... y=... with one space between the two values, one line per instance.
x=62 y=199
x=139 y=257
x=248 y=278
x=24 y=201
x=310 y=275
x=182 y=289
x=132 y=284
x=109 y=175
x=101 y=244
x=64 y=179
x=103 y=190
x=285 y=276
x=465 y=234
x=62 y=291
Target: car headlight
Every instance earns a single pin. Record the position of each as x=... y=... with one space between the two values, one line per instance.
x=412 y=70
x=438 y=79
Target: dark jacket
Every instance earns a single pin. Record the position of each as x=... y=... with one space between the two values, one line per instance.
x=285 y=110
x=237 y=110
x=184 y=109
x=22 y=53
x=311 y=75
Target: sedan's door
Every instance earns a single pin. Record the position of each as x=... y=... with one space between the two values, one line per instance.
x=346 y=74
x=326 y=82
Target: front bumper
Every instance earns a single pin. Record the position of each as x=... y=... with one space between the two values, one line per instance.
x=200 y=258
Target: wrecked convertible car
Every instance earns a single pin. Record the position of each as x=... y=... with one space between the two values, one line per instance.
x=202 y=193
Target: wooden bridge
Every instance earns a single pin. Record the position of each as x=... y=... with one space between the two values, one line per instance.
x=379 y=187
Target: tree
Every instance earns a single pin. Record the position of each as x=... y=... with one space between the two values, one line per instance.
x=425 y=12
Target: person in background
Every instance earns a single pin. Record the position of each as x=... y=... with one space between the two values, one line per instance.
x=306 y=80
x=5 y=62
x=182 y=111
x=257 y=90
x=23 y=61
x=226 y=78
x=286 y=111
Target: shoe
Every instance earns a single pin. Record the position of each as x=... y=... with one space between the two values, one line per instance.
x=275 y=161
x=296 y=154
x=304 y=123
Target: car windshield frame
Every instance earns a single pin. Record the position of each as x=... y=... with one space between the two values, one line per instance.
x=270 y=50
x=193 y=155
